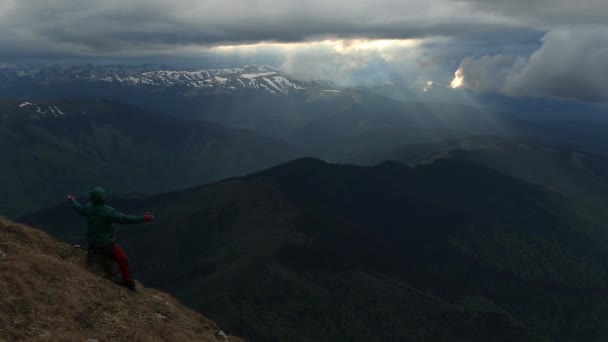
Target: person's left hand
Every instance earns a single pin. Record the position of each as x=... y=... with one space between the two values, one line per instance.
x=71 y=198
x=148 y=217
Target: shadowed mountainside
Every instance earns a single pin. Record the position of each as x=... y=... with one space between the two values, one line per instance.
x=447 y=251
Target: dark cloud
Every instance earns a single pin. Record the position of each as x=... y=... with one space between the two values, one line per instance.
x=452 y=33
x=548 y=14
x=88 y=27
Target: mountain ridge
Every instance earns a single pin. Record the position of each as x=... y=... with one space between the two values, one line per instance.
x=570 y=170
x=261 y=78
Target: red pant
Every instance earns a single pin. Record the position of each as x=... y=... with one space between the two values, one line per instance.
x=115 y=253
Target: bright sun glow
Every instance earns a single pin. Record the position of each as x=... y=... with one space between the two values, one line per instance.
x=341 y=46
x=428 y=86
x=458 y=79
x=346 y=46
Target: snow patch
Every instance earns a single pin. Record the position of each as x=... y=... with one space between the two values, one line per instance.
x=261 y=74
x=274 y=85
x=59 y=111
x=285 y=82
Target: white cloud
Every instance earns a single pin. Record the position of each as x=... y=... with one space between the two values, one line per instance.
x=570 y=63
x=487 y=73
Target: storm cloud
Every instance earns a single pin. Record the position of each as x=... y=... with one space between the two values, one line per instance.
x=151 y=26
x=496 y=43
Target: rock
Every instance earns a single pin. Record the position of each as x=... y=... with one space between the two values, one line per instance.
x=162 y=300
x=92 y=340
x=160 y=316
x=221 y=334
x=2 y=255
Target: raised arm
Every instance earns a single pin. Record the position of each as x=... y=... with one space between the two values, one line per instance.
x=118 y=217
x=79 y=208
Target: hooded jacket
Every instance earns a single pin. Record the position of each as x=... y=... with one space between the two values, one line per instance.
x=101 y=218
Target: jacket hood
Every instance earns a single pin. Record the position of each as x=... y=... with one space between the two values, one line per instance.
x=98 y=196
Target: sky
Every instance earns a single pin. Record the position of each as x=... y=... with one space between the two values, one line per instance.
x=552 y=48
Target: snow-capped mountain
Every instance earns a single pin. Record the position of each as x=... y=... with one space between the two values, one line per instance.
x=256 y=77
x=19 y=110
x=37 y=111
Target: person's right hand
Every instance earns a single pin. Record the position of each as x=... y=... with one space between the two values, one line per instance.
x=71 y=198
x=148 y=217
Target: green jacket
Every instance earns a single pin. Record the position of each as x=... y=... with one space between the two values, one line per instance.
x=101 y=219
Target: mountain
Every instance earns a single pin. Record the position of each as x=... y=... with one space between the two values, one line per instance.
x=445 y=251
x=258 y=78
x=49 y=294
x=346 y=122
x=575 y=172
x=50 y=148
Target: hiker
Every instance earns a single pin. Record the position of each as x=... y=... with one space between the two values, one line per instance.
x=100 y=230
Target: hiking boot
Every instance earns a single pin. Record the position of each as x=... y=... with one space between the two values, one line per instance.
x=130 y=285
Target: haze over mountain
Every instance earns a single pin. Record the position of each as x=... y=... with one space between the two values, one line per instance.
x=347 y=121
x=50 y=148
x=574 y=172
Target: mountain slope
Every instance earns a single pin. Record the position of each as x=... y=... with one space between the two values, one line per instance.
x=47 y=294
x=121 y=147
x=449 y=251
x=571 y=171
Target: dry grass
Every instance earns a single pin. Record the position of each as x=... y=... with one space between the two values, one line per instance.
x=47 y=294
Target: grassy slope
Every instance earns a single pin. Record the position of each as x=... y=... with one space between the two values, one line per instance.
x=47 y=294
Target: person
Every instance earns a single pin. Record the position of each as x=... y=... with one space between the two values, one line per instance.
x=100 y=230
